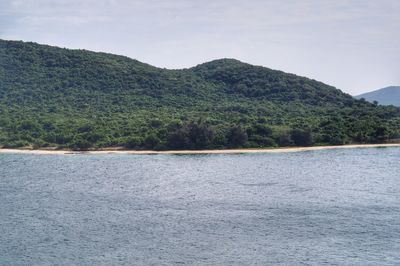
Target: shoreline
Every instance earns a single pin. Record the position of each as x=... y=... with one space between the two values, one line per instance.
x=177 y=152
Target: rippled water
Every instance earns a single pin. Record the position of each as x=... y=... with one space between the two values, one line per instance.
x=334 y=207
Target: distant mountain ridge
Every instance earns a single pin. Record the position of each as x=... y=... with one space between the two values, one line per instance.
x=78 y=99
x=386 y=96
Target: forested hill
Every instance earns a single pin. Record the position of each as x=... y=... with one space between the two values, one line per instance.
x=55 y=97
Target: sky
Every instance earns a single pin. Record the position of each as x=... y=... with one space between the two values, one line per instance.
x=353 y=45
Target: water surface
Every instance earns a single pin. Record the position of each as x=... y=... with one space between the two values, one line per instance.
x=319 y=207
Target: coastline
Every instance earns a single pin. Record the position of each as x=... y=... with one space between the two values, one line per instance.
x=177 y=152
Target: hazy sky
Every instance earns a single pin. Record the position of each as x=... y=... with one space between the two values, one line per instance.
x=351 y=44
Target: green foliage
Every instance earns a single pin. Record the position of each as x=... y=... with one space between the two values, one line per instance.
x=193 y=135
x=302 y=137
x=52 y=97
x=236 y=137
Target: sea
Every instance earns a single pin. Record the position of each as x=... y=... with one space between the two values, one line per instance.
x=326 y=207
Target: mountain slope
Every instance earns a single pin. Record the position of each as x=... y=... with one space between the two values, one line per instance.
x=259 y=82
x=79 y=99
x=385 y=96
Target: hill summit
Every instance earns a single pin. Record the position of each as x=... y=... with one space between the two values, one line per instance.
x=56 y=97
x=385 y=96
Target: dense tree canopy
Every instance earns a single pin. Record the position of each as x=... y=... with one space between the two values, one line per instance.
x=54 y=97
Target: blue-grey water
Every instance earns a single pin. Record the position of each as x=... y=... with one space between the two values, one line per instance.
x=339 y=207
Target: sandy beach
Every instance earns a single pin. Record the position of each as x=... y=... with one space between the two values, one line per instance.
x=225 y=151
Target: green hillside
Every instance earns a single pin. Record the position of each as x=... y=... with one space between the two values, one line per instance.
x=54 y=97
